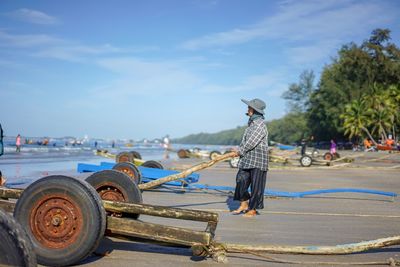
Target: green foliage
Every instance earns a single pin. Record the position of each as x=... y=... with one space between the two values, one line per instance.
x=289 y=129
x=364 y=72
x=298 y=95
x=227 y=137
x=358 y=95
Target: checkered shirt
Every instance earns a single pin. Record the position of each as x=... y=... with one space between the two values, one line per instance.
x=253 y=149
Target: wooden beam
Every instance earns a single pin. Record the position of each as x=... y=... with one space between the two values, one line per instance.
x=187 y=172
x=316 y=250
x=10 y=193
x=160 y=211
x=7 y=206
x=169 y=234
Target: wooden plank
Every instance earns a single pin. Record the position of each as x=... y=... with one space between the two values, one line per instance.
x=7 y=206
x=160 y=211
x=169 y=234
x=10 y=193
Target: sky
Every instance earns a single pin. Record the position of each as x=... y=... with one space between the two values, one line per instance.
x=146 y=68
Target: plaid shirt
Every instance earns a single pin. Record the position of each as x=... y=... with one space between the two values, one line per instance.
x=253 y=149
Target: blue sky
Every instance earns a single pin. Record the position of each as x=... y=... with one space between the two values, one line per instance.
x=143 y=69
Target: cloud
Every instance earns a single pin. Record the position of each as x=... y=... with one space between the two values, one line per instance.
x=33 y=16
x=76 y=53
x=272 y=83
x=27 y=40
x=139 y=77
x=303 y=20
x=48 y=46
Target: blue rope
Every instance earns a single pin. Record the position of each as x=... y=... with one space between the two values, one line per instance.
x=298 y=194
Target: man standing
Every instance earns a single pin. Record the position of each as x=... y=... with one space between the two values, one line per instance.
x=253 y=163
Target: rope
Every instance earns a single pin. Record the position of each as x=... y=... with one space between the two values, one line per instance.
x=389 y=262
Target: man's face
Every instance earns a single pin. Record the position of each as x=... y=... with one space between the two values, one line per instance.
x=250 y=111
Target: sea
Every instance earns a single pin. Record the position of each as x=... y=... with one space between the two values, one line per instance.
x=49 y=156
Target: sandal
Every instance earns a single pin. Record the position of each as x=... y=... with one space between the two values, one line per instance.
x=250 y=214
x=238 y=211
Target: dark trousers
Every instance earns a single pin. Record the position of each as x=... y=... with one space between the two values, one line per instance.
x=256 y=179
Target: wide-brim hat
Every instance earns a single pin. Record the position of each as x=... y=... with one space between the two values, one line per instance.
x=257 y=104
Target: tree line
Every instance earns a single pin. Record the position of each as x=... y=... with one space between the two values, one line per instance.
x=357 y=96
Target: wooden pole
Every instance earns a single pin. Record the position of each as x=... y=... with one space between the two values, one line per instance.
x=10 y=193
x=187 y=172
x=167 y=212
x=316 y=250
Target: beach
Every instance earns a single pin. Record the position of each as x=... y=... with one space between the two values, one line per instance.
x=328 y=219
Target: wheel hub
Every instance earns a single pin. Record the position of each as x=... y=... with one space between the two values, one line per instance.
x=56 y=221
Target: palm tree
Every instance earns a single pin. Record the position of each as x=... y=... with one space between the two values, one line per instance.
x=384 y=113
x=357 y=117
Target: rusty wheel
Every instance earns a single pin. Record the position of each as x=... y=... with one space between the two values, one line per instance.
x=15 y=246
x=116 y=186
x=152 y=164
x=124 y=157
x=328 y=156
x=182 y=154
x=136 y=155
x=64 y=217
x=129 y=169
x=214 y=154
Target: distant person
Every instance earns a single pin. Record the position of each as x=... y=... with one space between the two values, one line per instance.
x=367 y=145
x=18 y=143
x=95 y=144
x=113 y=144
x=389 y=142
x=333 y=147
x=1 y=141
x=253 y=161
x=167 y=146
x=303 y=145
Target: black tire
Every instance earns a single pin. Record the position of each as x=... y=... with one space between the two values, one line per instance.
x=214 y=154
x=183 y=154
x=124 y=157
x=328 y=156
x=305 y=161
x=64 y=217
x=153 y=164
x=16 y=246
x=129 y=169
x=136 y=155
x=116 y=186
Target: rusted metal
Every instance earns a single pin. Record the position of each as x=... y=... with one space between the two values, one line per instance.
x=124 y=157
x=56 y=221
x=125 y=169
x=129 y=169
x=110 y=191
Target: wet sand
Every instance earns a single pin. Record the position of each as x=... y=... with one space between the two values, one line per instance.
x=329 y=219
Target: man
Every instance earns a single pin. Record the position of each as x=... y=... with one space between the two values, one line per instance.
x=253 y=162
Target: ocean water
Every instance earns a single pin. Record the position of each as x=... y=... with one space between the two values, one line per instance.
x=36 y=161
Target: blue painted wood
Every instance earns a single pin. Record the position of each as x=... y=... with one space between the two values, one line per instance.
x=147 y=173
